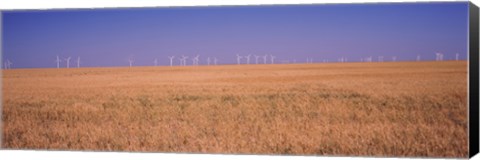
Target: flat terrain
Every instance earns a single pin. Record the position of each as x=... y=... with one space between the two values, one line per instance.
x=409 y=109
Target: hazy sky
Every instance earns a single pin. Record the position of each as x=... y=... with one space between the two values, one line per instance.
x=109 y=37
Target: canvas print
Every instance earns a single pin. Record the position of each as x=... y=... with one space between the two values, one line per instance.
x=378 y=79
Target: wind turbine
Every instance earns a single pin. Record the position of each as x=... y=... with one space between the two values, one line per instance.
x=68 y=61
x=238 y=59
x=184 y=60
x=155 y=61
x=439 y=56
x=380 y=58
x=418 y=58
x=208 y=61
x=368 y=59
x=456 y=56
x=78 y=62
x=181 y=61
x=272 y=58
x=58 y=61
x=215 y=60
x=309 y=60
x=171 y=60
x=256 y=58
x=394 y=58
x=130 y=61
x=265 y=59
x=8 y=64
x=248 y=58
x=196 y=59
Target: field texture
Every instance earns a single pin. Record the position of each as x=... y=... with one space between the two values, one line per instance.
x=411 y=109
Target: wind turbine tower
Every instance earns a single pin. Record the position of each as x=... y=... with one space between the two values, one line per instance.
x=265 y=59
x=155 y=62
x=208 y=61
x=394 y=58
x=8 y=64
x=272 y=58
x=456 y=56
x=78 y=62
x=68 y=61
x=58 y=62
x=256 y=58
x=248 y=58
x=215 y=60
x=171 y=60
x=130 y=61
x=195 y=60
x=439 y=56
x=368 y=59
x=418 y=58
x=238 y=59
x=184 y=60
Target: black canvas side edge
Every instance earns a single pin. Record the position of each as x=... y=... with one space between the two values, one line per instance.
x=473 y=81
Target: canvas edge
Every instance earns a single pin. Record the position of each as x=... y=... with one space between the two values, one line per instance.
x=473 y=73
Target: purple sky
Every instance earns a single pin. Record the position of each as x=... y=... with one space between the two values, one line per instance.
x=109 y=37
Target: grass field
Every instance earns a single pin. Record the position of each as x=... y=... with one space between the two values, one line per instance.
x=412 y=109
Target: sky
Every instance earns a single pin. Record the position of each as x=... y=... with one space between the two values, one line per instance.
x=110 y=37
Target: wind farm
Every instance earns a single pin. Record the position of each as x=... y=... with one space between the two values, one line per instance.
x=243 y=60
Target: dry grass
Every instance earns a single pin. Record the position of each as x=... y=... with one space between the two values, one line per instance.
x=412 y=109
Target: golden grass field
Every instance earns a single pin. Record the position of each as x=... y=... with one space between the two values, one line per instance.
x=412 y=109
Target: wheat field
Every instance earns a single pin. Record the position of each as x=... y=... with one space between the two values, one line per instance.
x=411 y=109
